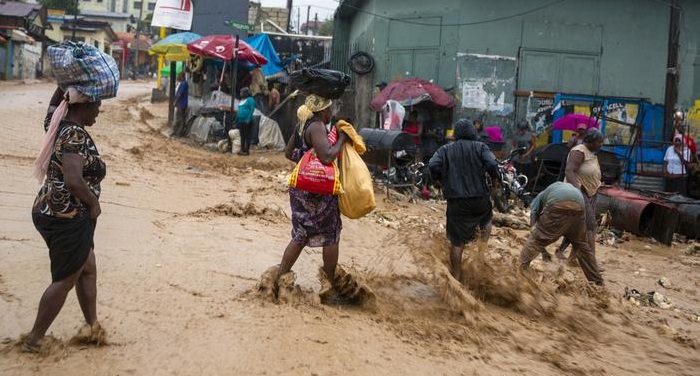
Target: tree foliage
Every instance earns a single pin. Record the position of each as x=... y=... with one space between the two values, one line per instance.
x=70 y=6
x=326 y=28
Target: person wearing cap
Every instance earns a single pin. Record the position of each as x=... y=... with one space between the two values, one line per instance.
x=577 y=138
x=244 y=119
x=461 y=167
x=676 y=160
x=315 y=217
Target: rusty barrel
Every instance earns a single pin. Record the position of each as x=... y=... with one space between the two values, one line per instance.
x=689 y=221
x=638 y=214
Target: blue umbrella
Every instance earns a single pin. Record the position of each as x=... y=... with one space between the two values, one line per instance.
x=174 y=46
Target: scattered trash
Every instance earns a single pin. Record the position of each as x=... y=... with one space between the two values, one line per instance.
x=662 y=301
x=516 y=222
x=665 y=282
x=649 y=299
x=693 y=250
x=610 y=237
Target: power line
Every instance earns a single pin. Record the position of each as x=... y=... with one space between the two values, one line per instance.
x=315 y=6
x=340 y=5
x=666 y=3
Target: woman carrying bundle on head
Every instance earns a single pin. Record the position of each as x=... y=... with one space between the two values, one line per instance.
x=67 y=206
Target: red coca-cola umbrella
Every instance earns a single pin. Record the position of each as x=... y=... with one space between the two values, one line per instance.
x=411 y=91
x=221 y=47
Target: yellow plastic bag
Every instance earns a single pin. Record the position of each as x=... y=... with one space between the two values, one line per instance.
x=358 y=199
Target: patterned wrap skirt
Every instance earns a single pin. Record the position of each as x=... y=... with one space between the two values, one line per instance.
x=315 y=218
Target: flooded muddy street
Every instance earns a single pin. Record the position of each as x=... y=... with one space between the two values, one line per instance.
x=186 y=236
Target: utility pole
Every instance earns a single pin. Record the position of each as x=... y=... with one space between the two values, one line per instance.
x=289 y=16
x=136 y=39
x=308 y=14
x=672 y=69
x=75 y=20
x=315 y=24
x=299 y=20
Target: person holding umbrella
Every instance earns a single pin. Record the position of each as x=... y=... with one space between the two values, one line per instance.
x=577 y=138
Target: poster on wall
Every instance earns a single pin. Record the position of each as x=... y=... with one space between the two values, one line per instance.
x=539 y=114
x=486 y=82
x=176 y=14
x=694 y=120
x=485 y=86
x=620 y=120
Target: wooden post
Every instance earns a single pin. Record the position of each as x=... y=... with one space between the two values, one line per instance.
x=234 y=75
x=171 y=96
x=161 y=60
x=672 y=69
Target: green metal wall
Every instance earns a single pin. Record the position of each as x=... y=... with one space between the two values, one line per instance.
x=615 y=48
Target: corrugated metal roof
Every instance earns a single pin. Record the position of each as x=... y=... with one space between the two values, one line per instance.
x=98 y=13
x=17 y=9
x=648 y=183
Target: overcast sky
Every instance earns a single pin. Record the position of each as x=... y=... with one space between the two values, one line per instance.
x=324 y=8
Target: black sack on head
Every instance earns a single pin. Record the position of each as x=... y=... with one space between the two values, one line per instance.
x=326 y=83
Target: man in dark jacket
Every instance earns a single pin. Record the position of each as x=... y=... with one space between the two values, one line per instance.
x=461 y=167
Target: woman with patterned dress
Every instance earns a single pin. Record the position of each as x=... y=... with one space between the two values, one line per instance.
x=315 y=217
x=66 y=209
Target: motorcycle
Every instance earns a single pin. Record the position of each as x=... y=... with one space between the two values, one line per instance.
x=511 y=190
x=405 y=174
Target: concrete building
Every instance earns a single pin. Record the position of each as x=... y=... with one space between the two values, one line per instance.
x=311 y=27
x=266 y=19
x=22 y=40
x=118 y=21
x=490 y=50
x=132 y=7
x=96 y=33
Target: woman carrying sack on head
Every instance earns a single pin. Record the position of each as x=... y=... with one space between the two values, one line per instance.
x=315 y=217
x=67 y=206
